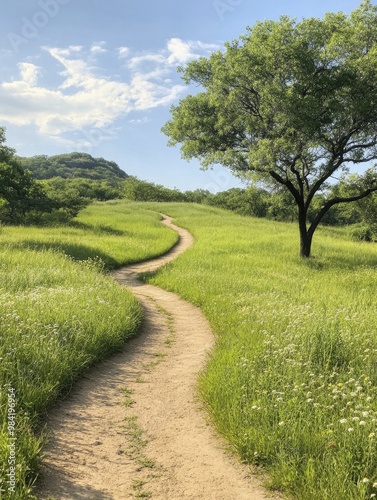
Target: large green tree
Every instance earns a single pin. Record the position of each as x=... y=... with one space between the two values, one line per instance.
x=291 y=103
x=20 y=194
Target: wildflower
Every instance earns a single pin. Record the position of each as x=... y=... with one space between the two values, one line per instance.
x=362 y=422
x=350 y=429
x=365 y=480
x=365 y=414
x=343 y=421
x=374 y=485
x=281 y=423
x=371 y=435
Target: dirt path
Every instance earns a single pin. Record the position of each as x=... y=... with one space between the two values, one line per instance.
x=133 y=426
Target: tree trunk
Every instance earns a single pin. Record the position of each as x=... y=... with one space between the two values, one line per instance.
x=305 y=245
x=305 y=236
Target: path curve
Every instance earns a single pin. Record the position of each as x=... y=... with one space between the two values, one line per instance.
x=159 y=444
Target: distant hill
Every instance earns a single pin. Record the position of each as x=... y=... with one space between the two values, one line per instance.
x=72 y=165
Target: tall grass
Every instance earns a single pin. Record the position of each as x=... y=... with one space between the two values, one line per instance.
x=60 y=313
x=292 y=383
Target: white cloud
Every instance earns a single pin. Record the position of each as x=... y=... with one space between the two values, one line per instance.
x=84 y=100
x=69 y=51
x=182 y=51
x=123 y=52
x=98 y=48
x=140 y=121
x=28 y=73
x=137 y=61
x=177 y=52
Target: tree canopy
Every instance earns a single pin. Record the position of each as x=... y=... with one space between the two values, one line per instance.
x=20 y=194
x=290 y=103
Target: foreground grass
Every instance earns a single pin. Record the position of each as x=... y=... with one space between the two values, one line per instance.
x=292 y=383
x=60 y=313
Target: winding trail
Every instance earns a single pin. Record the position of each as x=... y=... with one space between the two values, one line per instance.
x=133 y=426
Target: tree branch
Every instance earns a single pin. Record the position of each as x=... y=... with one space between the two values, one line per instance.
x=361 y=146
x=289 y=185
x=326 y=207
x=323 y=179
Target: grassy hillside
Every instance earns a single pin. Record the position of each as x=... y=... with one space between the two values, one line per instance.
x=117 y=232
x=75 y=165
x=60 y=313
x=292 y=383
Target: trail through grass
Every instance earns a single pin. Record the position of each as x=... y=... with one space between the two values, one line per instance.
x=293 y=381
x=60 y=313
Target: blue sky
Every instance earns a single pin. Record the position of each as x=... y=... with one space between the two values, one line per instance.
x=99 y=76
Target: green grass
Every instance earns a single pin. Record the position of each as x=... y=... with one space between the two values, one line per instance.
x=117 y=232
x=60 y=313
x=292 y=383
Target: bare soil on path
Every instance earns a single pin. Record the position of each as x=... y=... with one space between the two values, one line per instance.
x=133 y=426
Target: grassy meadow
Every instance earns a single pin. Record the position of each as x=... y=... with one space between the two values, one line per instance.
x=60 y=313
x=292 y=383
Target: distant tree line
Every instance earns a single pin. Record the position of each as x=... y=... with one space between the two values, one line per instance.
x=275 y=204
x=53 y=190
